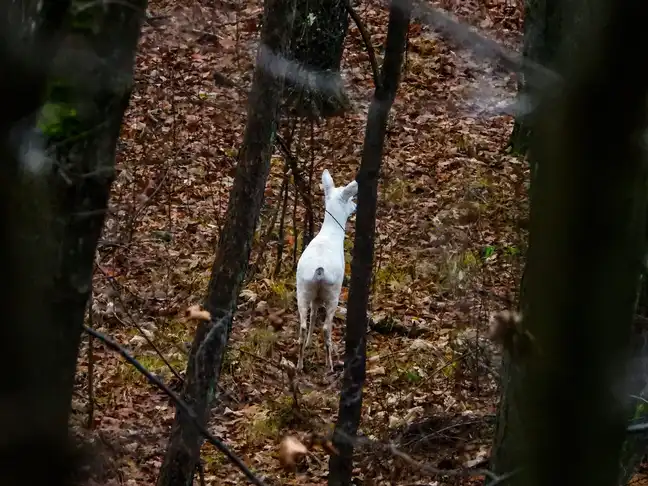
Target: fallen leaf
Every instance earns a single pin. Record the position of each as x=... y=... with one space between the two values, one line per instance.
x=196 y=313
x=291 y=451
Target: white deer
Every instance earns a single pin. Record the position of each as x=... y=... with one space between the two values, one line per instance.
x=320 y=269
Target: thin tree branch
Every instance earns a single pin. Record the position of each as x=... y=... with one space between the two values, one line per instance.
x=90 y=423
x=441 y=472
x=639 y=428
x=138 y=327
x=504 y=477
x=300 y=184
x=179 y=402
x=367 y=40
x=363 y=441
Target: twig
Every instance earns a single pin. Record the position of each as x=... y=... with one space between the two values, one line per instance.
x=504 y=477
x=308 y=235
x=450 y=363
x=637 y=428
x=201 y=472
x=152 y=19
x=295 y=231
x=302 y=189
x=636 y=397
x=90 y=423
x=203 y=33
x=284 y=187
x=261 y=358
x=288 y=371
x=155 y=348
x=367 y=40
x=442 y=472
x=266 y=238
x=282 y=222
x=139 y=328
x=179 y=403
x=136 y=214
x=392 y=449
x=300 y=184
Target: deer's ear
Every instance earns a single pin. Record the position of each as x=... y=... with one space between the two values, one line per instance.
x=327 y=182
x=350 y=190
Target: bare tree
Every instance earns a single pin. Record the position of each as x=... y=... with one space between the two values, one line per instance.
x=340 y=466
x=562 y=407
x=230 y=265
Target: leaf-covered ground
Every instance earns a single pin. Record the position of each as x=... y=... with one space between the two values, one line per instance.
x=450 y=239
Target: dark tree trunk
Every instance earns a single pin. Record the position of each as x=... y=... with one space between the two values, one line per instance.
x=563 y=412
x=341 y=466
x=318 y=43
x=34 y=418
x=231 y=261
x=98 y=52
x=51 y=223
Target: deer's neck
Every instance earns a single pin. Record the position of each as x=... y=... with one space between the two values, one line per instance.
x=333 y=226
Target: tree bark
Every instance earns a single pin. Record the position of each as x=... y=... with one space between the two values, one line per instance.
x=350 y=408
x=230 y=265
x=51 y=226
x=91 y=84
x=34 y=418
x=543 y=27
x=563 y=412
x=318 y=43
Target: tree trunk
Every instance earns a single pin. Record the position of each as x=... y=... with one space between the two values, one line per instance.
x=34 y=418
x=563 y=412
x=543 y=27
x=89 y=91
x=318 y=43
x=231 y=261
x=341 y=466
x=51 y=226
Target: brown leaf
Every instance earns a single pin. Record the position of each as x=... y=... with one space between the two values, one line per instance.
x=291 y=451
x=196 y=313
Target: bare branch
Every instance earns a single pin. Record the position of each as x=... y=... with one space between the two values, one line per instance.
x=639 y=428
x=367 y=40
x=179 y=402
x=138 y=327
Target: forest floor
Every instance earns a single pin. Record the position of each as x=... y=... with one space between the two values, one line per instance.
x=450 y=240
